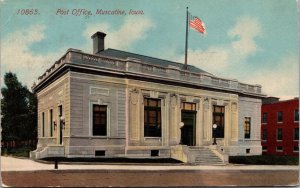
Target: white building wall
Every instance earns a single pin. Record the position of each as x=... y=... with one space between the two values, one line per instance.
x=248 y=107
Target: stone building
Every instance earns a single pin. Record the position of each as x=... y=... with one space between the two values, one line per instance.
x=118 y=104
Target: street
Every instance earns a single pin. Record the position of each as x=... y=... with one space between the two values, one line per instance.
x=79 y=175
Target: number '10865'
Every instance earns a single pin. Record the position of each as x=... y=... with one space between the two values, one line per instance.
x=28 y=11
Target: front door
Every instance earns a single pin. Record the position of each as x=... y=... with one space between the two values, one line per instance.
x=188 y=131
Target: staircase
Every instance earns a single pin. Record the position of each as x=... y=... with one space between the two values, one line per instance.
x=204 y=156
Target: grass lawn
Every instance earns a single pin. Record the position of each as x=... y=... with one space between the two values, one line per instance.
x=265 y=160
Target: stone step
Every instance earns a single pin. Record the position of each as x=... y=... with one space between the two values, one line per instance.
x=204 y=156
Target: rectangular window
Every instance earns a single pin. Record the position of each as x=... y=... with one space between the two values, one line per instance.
x=264 y=118
x=279 y=148
x=279 y=117
x=279 y=134
x=296 y=115
x=43 y=124
x=247 y=127
x=99 y=120
x=218 y=119
x=51 y=122
x=296 y=148
x=152 y=117
x=296 y=134
x=265 y=148
x=188 y=106
x=264 y=135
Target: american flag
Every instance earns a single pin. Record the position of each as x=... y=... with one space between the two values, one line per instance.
x=197 y=24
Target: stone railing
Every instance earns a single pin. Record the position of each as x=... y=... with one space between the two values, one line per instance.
x=136 y=66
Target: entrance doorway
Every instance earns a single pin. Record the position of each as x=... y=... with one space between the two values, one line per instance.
x=188 y=117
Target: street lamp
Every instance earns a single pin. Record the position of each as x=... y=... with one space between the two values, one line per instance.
x=62 y=120
x=214 y=133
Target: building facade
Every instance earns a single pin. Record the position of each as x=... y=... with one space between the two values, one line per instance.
x=118 y=104
x=280 y=127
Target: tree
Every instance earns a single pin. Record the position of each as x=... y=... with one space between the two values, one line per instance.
x=18 y=110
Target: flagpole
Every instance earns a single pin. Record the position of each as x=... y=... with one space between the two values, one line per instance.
x=186 y=38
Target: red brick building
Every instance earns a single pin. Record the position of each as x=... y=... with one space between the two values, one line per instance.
x=280 y=126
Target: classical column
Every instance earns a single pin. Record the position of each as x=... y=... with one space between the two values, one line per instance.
x=134 y=117
x=199 y=124
x=173 y=120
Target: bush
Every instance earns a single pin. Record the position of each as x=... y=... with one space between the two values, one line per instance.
x=265 y=160
x=18 y=152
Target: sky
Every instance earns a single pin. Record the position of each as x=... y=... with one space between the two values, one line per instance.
x=255 y=42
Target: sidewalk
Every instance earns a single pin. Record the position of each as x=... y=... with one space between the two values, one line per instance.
x=16 y=164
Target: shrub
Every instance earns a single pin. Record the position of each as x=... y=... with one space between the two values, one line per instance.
x=265 y=160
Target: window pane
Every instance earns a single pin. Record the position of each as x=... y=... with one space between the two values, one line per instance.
x=152 y=114
x=153 y=103
x=296 y=134
x=279 y=116
x=218 y=118
x=152 y=117
x=279 y=134
x=264 y=118
x=99 y=120
x=279 y=148
x=264 y=136
x=217 y=109
x=296 y=115
x=188 y=106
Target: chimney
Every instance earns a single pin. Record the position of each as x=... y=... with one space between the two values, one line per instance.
x=98 y=42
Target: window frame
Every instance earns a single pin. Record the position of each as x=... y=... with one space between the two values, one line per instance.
x=264 y=118
x=264 y=136
x=249 y=128
x=280 y=120
x=149 y=127
x=294 y=134
x=296 y=119
x=221 y=132
x=279 y=150
x=264 y=150
x=91 y=118
x=296 y=151
x=277 y=134
x=106 y=119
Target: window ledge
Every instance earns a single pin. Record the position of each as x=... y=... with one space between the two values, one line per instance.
x=264 y=123
x=278 y=140
x=152 y=138
x=279 y=122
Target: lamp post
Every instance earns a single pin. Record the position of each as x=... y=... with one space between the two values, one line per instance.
x=214 y=134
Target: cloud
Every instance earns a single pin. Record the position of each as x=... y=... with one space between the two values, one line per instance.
x=17 y=57
x=223 y=59
x=230 y=61
x=131 y=31
x=280 y=80
x=246 y=29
